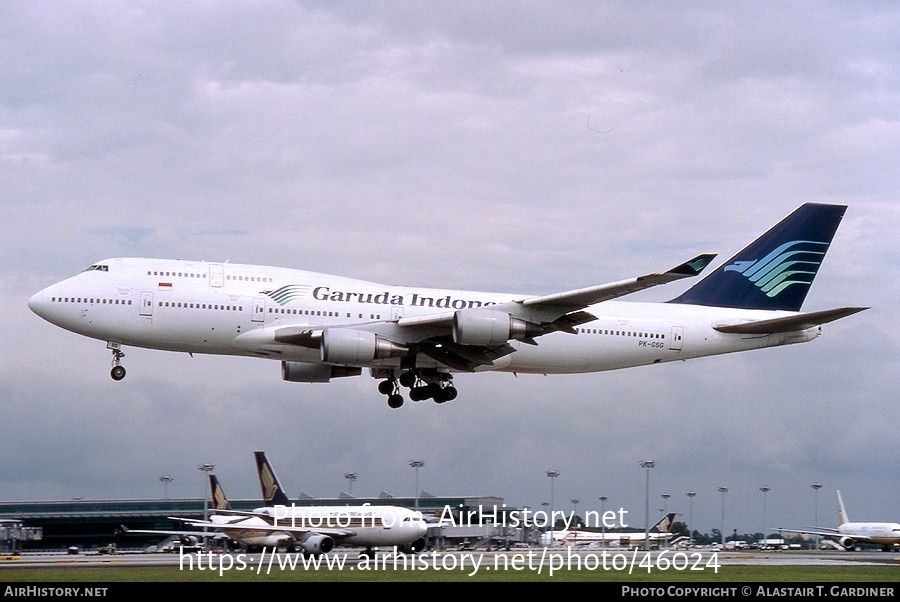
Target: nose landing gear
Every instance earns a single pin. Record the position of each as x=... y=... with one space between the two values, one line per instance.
x=118 y=371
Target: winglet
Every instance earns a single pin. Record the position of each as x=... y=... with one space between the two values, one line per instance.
x=694 y=266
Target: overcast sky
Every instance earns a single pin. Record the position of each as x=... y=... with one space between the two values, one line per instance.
x=528 y=147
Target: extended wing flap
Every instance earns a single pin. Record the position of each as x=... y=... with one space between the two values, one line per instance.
x=793 y=323
x=465 y=358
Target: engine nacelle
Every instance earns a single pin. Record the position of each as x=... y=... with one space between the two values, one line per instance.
x=413 y=547
x=316 y=544
x=346 y=346
x=490 y=327
x=304 y=372
x=847 y=543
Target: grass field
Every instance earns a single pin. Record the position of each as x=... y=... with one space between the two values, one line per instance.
x=725 y=574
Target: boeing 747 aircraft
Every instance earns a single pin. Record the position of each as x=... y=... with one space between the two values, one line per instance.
x=849 y=534
x=321 y=326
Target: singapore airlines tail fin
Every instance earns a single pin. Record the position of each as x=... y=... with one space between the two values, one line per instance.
x=776 y=270
x=273 y=494
x=219 y=501
x=665 y=524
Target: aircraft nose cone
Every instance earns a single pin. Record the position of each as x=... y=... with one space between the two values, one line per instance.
x=36 y=303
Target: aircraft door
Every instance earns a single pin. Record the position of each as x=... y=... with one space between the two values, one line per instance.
x=259 y=310
x=216 y=275
x=677 y=338
x=146 y=303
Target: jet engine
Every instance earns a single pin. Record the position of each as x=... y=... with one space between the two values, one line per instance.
x=414 y=547
x=490 y=327
x=316 y=543
x=304 y=372
x=847 y=543
x=347 y=346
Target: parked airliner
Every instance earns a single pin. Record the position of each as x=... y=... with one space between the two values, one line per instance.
x=575 y=536
x=849 y=534
x=322 y=326
x=312 y=530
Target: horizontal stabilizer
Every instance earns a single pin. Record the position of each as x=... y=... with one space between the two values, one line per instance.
x=790 y=323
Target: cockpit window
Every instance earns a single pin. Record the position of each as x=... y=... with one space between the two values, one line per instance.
x=100 y=267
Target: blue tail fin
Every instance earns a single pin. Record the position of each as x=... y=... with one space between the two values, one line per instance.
x=777 y=269
x=273 y=494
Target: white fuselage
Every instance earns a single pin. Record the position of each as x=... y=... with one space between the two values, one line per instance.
x=885 y=534
x=366 y=526
x=235 y=309
x=576 y=537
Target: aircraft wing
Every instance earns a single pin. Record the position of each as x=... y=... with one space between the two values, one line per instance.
x=336 y=532
x=824 y=532
x=561 y=304
x=543 y=314
x=581 y=298
x=200 y=534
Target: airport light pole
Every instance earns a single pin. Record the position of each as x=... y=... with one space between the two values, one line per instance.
x=723 y=491
x=603 y=499
x=691 y=495
x=351 y=476
x=575 y=509
x=665 y=497
x=647 y=465
x=764 y=490
x=552 y=474
x=206 y=469
x=417 y=464
x=165 y=480
x=816 y=486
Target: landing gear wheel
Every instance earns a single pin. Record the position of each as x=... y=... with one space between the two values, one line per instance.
x=408 y=378
x=395 y=401
x=117 y=372
x=448 y=393
x=419 y=393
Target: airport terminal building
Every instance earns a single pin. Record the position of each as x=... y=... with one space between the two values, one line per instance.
x=89 y=526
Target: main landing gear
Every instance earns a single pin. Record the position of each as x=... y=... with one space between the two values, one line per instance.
x=437 y=386
x=118 y=371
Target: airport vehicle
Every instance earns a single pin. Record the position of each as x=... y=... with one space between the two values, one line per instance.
x=850 y=534
x=314 y=530
x=322 y=326
x=574 y=536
